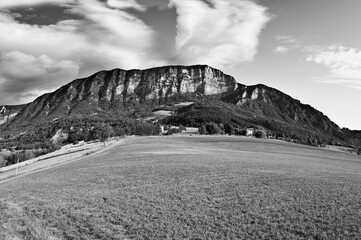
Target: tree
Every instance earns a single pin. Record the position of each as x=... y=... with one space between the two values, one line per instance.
x=228 y=129
x=260 y=134
x=2 y=161
x=213 y=128
x=182 y=128
x=104 y=132
x=202 y=130
x=100 y=132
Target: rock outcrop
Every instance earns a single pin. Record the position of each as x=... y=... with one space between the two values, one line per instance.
x=110 y=89
x=106 y=91
x=9 y=112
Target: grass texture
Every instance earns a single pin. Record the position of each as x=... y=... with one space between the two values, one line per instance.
x=218 y=187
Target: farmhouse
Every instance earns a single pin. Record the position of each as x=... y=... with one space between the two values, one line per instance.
x=249 y=131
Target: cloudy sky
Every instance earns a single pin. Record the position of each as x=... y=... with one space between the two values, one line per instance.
x=309 y=49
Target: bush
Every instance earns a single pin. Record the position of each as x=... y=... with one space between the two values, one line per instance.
x=228 y=129
x=120 y=131
x=213 y=128
x=202 y=130
x=182 y=128
x=2 y=161
x=19 y=157
x=146 y=129
x=76 y=136
x=172 y=131
x=260 y=134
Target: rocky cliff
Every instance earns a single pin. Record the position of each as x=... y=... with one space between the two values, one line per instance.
x=121 y=90
x=111 y=89
x=7 y=113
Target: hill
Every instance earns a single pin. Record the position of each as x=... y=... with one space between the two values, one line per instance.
x=217 y=98
x=9 y=112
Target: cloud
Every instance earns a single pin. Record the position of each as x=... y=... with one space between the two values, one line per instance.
x=343 y=64
x=10 y=15
x=282 y=49
x=106 y=37
x=220 y=33
x=25 y=74
x=16 y=3
x=122 y=4
x=160 y=4
x=289 y=44
x=287 y=39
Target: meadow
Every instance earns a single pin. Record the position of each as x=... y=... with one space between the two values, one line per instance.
x=189 y=187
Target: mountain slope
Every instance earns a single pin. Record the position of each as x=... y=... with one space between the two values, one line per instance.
x=217 y=97
x=113 y=89
x=7 y=113
x=270 y=102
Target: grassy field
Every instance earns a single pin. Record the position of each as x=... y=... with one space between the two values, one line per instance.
x=190 y=188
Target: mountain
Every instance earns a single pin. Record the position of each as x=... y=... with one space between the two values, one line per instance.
x=9 y=112
x=113 y=89
x=215 y=96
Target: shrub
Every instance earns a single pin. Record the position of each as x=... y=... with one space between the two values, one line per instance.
x=119 y=131
x=182 y=128
x=213 y=128
x=202 y=130
x=146 y=129
x=228 y=129
x=19 y=157
x=2 y=161
x=260 y=134
x=172 y=131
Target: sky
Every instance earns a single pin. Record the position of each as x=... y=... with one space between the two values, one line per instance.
x=308 y=49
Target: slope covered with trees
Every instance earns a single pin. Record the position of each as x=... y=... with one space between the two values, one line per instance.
x=122 y=102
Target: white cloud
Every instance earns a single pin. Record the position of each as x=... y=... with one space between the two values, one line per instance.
x=281 y=49
x=25 y=74
x=287 y=38
x=289 y=44
x=343 y=64
x=223 y=34
x=105 y=38
x=125 y=4
x=17 y=3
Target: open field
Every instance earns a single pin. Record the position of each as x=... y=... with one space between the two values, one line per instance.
x=66 y=154
x=183 y=187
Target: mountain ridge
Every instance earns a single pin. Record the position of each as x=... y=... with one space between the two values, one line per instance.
x=120 y=90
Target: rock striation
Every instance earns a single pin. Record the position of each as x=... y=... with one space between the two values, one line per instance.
x=106 y=91
x=111 y=89
x=7 y=113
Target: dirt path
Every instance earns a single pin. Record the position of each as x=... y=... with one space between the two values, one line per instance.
x=66 y=154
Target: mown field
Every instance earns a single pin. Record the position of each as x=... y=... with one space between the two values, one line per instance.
x=190 y=188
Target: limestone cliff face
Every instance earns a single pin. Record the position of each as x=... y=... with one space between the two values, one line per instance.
x=110 y=89
x=9 y=112
x=119 y=89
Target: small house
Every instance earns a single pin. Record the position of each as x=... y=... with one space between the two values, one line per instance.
x=249 y=131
